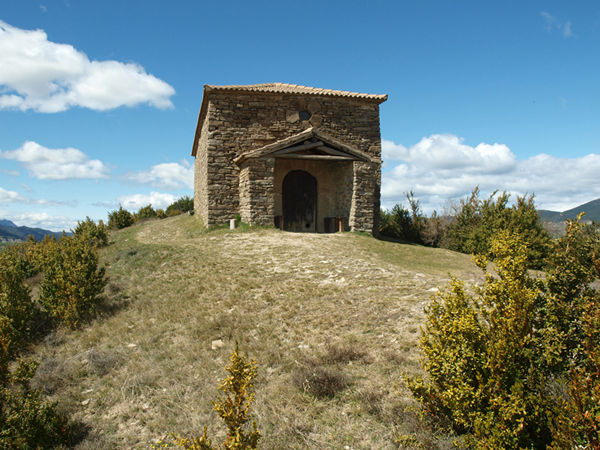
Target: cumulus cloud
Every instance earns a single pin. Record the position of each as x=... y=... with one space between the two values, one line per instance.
x=56 y=164
x=38 y=74
x=442 y=167
x=170 y=176
x=136 y=201
x=40 y=220
x=447 y=152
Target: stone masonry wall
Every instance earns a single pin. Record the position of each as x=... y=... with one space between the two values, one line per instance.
x=200 y=176
x=362 y=212
x=240 y=122
x=256 y=191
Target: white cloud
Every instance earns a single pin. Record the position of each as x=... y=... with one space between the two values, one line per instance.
x=549 y=20
x=38 y=74
x=442 y=167
x=447 y=152
x=15 y=197
x=56 y=164
x=137 y=201
x=563 y=27
x=40 y=220
x=11 y=197
x=12 y=173
x=170 y=176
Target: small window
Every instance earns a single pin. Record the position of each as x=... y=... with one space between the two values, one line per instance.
x=304 y=115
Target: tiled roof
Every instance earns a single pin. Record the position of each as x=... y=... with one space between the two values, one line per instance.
x=284 y=88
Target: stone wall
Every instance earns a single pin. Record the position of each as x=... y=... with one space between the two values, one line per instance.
x=235 y=123
x=363 y=214
x=256 y=191
x=200 y=176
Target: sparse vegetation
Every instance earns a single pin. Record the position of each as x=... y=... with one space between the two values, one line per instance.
x=333 y=319
x=183 y=205
x=234 y=409
x=146 y=370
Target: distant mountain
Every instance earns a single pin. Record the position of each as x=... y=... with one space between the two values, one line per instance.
x=15 y=233
x=6 y=223
x=592 y=212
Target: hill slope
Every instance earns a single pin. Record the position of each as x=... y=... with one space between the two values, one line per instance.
x=343 y=305
x=591 y=209
x=15 y=233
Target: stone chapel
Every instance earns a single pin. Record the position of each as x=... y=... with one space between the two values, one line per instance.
x=299 y=158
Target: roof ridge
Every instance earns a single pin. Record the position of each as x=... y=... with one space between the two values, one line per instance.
x=278 y=87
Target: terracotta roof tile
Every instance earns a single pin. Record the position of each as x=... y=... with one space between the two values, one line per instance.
x=284 y=88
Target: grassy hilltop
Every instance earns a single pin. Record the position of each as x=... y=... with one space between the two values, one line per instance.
x=332 y=320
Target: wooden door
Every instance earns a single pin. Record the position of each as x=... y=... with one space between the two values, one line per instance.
x=299 y=192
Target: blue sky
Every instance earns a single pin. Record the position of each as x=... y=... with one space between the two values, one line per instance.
x=99 y=100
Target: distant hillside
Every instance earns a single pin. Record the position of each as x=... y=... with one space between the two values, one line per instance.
x=15 y=233
x=6 y=223
x=592 y=212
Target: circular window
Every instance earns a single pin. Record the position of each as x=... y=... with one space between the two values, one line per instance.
x=304 y=115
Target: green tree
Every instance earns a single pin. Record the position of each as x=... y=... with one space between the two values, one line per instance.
x=400 y=223
x=182 y=205
x=119 y=219
x=145 y=213
x=478 y=221
x=16 y=310
x=73 y=282
x=97 y=234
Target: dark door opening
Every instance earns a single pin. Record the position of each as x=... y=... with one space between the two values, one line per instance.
x=299 y=198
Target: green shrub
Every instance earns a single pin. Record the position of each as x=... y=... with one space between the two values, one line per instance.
x=160 y=213
x=18 y=255
x=119 y=219
x=482 y=356
x=72 y=282
x=477 y=221
x=26 y=420
x=233 y=409
x=400 y=223
x=183 y=205
x=145 y=213
x=16 y=310
x=96 y=234
x=496 y=360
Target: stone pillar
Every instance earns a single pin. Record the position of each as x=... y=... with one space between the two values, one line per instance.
x=257 y=200
x=364 y=199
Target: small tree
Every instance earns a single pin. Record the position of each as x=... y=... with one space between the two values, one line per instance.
x=182 y=205
x=119 y=219
x=73 y=282
x=145 y=213
x=96 y=234
x=26 y=420
x=16 y=310
x=234 y=409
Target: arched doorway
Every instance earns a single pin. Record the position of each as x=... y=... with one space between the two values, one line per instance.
x=299 y=201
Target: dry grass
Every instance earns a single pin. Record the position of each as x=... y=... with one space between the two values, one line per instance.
x=332 y=320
